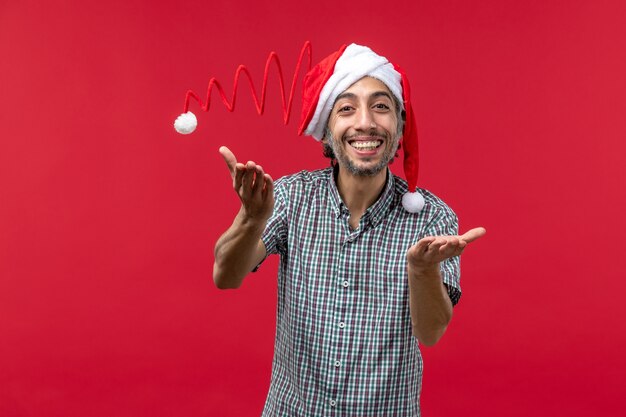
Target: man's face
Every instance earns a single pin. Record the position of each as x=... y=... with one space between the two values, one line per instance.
x=362 y=128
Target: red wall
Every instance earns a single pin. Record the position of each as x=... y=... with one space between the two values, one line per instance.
x=108 y=217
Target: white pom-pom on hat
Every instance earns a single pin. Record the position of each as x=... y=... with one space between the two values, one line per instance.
x=186 y=123
x=413 y=202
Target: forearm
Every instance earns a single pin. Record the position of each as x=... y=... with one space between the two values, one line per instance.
x=431 y=308
x=238 y=251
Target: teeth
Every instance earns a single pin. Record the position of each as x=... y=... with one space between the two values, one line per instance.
x=366 y=145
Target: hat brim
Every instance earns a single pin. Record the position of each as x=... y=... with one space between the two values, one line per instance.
x=314 y=82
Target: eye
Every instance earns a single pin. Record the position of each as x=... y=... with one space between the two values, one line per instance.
x=344 y=109
x=381 y=106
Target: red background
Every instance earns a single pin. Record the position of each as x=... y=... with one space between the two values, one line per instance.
x=108 y=217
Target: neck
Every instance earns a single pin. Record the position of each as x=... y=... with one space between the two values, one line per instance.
x=359 y=192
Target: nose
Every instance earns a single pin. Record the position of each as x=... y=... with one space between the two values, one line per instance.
x=364 y=119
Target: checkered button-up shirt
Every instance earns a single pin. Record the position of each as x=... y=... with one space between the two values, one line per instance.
x=344 y=344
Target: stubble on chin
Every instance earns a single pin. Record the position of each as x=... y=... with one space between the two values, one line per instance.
x=351 y=167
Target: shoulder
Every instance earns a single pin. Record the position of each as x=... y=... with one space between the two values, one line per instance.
x=434 y=208
x=303 y=182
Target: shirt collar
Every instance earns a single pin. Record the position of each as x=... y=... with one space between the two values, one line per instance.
x=338 y=207
x=377 y=211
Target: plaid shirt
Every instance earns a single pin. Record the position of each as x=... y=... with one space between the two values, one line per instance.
x=344 y=344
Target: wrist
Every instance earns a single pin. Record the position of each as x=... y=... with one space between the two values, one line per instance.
x=250 y=223
x=428 y=272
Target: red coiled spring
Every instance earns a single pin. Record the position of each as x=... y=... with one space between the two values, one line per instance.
x=260 y=104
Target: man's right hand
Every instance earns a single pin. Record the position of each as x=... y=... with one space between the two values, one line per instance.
x=254 y=187
x=240 y=248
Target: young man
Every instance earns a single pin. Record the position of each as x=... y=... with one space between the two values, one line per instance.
x=361 y=278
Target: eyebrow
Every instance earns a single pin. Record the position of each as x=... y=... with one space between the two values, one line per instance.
x=375 y=94
x=382 y=94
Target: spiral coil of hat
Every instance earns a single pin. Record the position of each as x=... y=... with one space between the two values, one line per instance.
x=259 y=103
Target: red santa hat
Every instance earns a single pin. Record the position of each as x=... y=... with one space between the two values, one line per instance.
x=335 y=74
x=322 y=85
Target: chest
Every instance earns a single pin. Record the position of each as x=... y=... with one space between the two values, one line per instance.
x=328 y=260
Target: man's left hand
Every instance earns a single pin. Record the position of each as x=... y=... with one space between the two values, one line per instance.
x=426 y=254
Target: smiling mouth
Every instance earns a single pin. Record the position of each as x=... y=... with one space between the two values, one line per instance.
x=365 y=145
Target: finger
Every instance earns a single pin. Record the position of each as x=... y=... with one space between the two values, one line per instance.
x=268 y=189
x=451 y=243
x=229 y=158
x=422 y=245
x=452 y=249
x=460 y=248
x=473 y=234
x=248 y=177
x=431 y=253
x=435 y=245
x=257 y=187
x=240 y=169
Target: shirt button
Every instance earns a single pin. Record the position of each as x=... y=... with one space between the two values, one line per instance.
x=332 y=403
x=345 y=284
x=342 y=325
x=337 y=364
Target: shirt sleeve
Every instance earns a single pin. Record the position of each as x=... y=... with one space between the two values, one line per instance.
x=446 y=223
x=274 y=236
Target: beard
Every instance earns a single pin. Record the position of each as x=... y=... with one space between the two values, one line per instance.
x=368 y=171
